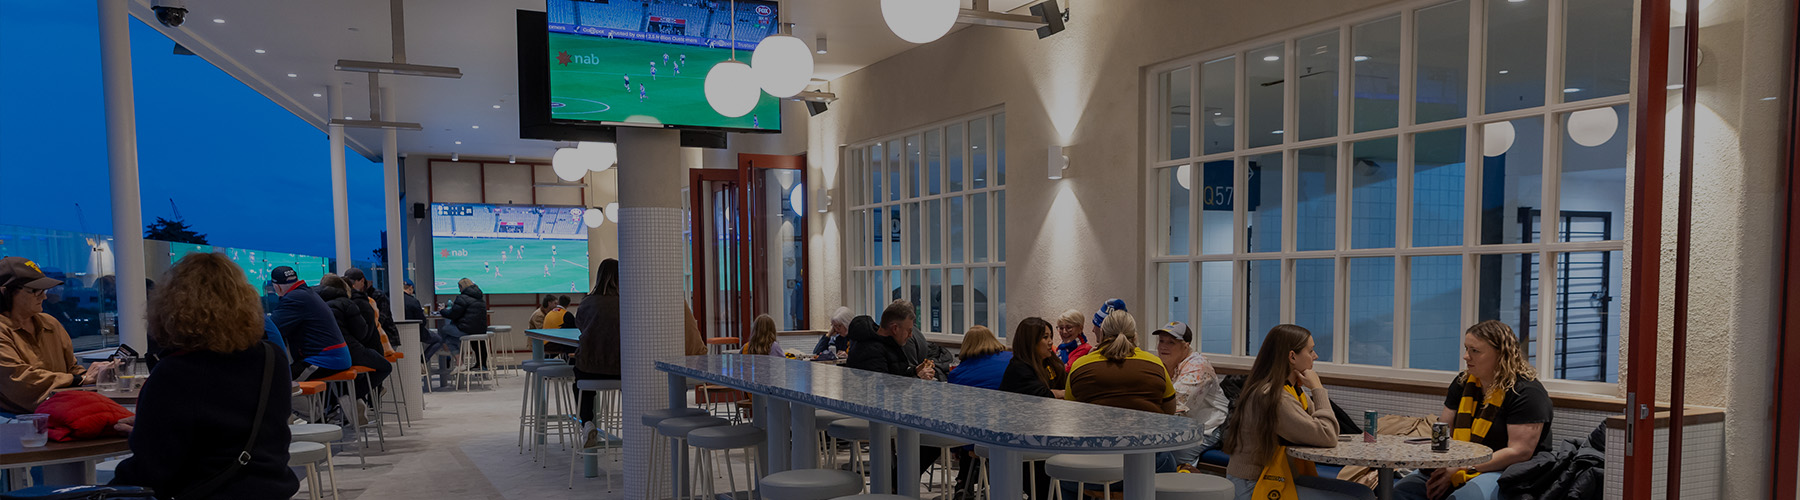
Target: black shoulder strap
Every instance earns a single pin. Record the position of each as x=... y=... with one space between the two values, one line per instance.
x=207 y=488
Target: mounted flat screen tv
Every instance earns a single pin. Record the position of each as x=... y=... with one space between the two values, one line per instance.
x=638 y=63
x=509 y=248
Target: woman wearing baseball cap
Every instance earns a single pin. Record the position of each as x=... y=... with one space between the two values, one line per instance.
x=35 y=352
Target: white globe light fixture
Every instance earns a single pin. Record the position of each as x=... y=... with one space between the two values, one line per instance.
x=592 y=218
x=731 y=86
x=1181 y=176
x=568 y=164
x=782 y=63
x=797 y=199
x=1593 y=127
x=1496 y=138
x=920 y=21
x=599 y=156
x=612 y=212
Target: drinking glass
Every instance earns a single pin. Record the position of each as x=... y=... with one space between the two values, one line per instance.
x=107 y=378
x=38 y=433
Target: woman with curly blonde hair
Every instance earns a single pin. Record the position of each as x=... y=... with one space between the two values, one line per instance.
x=198 y=408
x=1496 y=402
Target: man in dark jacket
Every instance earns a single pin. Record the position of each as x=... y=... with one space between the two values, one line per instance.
x=414 y=310
x=306 y=323
x=380 y=313
x=467 y=315
x=362 y=341
x=878 y=350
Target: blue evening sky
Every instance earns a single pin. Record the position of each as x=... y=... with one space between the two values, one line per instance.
x=242 y=170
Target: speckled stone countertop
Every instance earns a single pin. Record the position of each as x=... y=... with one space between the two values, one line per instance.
x=973 y=414
x=1394 y=452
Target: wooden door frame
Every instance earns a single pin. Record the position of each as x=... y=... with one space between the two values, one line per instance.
x=1785 y=427
x=747 y=165
x=696 y=226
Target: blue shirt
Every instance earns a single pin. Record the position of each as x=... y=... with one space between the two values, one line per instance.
x=983 y=371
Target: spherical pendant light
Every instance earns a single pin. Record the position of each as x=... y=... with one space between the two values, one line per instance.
x=920 y=21
x=1593 y=127
x=797 y=199
x=731 y=89
x=1496 y=138
x=612 y=212
x=1181 y=176
x=599 y=156
x=783 y=65
x=592 y=218
x=568 y=164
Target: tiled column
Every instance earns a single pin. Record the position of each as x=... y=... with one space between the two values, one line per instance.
x=650 y=266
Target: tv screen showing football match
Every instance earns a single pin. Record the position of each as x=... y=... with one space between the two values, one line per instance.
x=509 y=248
x=258 y=264
x=645 y=61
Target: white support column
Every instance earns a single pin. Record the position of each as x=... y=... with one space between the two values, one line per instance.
x=650 y=266
x=340 y=183
x=390 y=173
x=122 y=164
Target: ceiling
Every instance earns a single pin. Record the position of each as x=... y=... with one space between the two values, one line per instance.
x=302 y=41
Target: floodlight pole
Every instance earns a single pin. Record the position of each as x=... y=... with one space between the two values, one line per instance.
x=122 y=165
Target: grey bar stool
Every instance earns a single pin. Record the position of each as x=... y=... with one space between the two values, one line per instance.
x=324 y=435
x=556 y=382
x=1179 y=486
x=725 y=438
x=810 y=484
x=874 y=496
x=1084 y=470
x=678 y=429
x=827 y=444
x=527 y=411
x=856 y=431
x=308 y=454
x=658 y=447
x=607 y=418
x=945 y=482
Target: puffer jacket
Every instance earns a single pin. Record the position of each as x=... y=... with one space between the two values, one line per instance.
x=1573 y=470
x=350 y=318
x=875 y=352
x=468 y=311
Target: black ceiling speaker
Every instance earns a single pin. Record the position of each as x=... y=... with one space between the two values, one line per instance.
x=418 y=210
x=1052 y=16
x=813 y=108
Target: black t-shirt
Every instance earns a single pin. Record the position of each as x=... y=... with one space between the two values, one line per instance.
x=1527 y=403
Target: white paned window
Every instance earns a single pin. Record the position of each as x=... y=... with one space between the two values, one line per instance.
x=929 y=223
x=1389 y=179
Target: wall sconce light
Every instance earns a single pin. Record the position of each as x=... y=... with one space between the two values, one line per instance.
x=826 y=206
x=1059 y=161
x=1678 y=53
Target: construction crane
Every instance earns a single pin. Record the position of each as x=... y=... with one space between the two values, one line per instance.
x=174 y=208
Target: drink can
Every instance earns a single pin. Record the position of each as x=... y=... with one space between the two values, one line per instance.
x=1440 y=437
x=1369 y=419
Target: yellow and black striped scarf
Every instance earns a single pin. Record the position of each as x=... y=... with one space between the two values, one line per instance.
x=1474 y=420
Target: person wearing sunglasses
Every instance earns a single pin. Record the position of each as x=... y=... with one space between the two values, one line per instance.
x=36 y=354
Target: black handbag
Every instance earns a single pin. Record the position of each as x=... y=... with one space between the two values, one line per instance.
x=80 y=493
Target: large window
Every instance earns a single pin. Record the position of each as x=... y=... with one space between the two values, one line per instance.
x=928 y=223
x=1393 y=178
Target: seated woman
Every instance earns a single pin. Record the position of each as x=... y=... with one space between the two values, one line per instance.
x=1283 y=403
x=1071 y=342
x=1497 y=403
x=1033 y=370
x=984 y=359
x=762 y=337
x=200 y=406
x=836 y=343
x=1119 y=374
x=35 y=352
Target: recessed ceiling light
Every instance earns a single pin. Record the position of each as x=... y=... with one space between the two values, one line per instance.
x=261 y=51
x=1271 y=58
x=1360 y=58
x=291 y=75
x=1768 y=98
x=316 y=94
x=349 y=118
x=1218 y=113
x=1516 y=1
x=1505 y=71
x=474 y=126
x=1278 y=132
x=1571 y=90
x=1674 y=87
x=459 y=143
x=218 y=21
x=496 y=106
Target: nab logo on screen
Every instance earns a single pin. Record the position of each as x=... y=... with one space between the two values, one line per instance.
x=458 y=253
x=564 y=58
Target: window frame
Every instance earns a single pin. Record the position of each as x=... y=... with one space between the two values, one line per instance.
x=1553 y=112
x=858 y=253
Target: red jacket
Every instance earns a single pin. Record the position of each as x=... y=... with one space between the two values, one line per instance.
x=76 y=415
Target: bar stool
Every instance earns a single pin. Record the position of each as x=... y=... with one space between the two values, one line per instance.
x=311 y=390
x=1084 y=470
x=652 y=419
x=678 y=429
x=1029 y=458
x=533 y=392
x=725 y=438
x=827 y=444
x=324 y=434
x=874 y=496
x=582 y=450
x=607 y=418
x=340 y=383
x=1185 y=486
x=856 y=431
x=556 y=382
x=471 y=365
x=364 y=373
x=944 y=445
x=397 y=396
x=308 y=454
x=810 y=484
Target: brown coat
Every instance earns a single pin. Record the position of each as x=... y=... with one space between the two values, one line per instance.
x=33 y=360
x=1293 y=425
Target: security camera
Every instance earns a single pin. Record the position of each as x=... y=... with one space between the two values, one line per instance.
x=170 y=13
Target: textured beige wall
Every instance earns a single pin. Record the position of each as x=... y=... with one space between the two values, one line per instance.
x=1079 y=240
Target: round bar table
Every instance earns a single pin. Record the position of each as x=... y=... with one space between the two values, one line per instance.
x=1393 y=452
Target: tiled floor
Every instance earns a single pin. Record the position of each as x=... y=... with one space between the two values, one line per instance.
x=467 y=449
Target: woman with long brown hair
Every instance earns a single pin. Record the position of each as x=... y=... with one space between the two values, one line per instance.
x=1035 y=370
x=762 y=337
x=1496 y=402
x=198 y=408
x=1283 y=403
